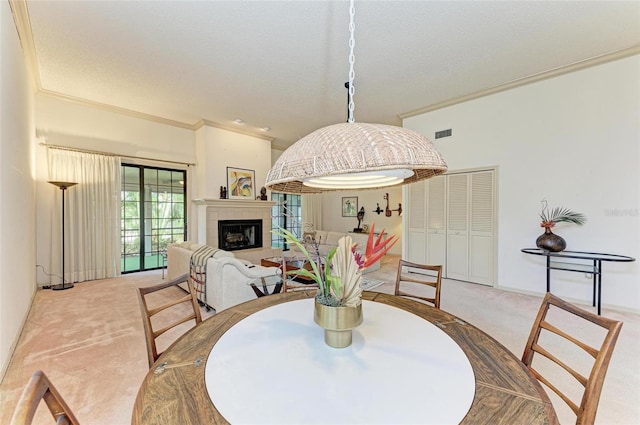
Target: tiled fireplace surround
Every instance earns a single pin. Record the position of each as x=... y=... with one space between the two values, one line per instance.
x=210 y=211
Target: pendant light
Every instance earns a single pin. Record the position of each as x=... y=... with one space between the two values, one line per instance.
x=353 y=155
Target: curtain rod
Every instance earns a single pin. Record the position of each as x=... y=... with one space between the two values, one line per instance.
x=67 y=148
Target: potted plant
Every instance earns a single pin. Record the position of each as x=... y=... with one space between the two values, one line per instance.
x=338 y=303
x=549 y=241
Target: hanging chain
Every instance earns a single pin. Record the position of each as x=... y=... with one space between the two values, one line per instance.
x=352 y=59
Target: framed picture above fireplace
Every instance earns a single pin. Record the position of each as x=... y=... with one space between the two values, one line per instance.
x=241 y=183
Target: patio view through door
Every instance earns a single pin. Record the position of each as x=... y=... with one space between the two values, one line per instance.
x=153 y=213
x=287 y=214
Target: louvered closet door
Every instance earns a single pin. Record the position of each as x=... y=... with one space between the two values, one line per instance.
x=481 y=250
x=416 y=235
x=458 y=227
x=436 y=222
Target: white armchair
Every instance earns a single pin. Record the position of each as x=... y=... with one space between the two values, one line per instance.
x=229 y=281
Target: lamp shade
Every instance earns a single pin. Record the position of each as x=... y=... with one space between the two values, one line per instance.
x=355 y=156
x=63 y=185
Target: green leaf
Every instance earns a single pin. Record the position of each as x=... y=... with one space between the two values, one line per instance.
x=561 y=215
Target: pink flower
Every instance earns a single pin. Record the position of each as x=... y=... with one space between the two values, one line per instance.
x=375 y=250
x=357 y=256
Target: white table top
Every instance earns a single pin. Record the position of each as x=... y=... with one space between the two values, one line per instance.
x=273 y=367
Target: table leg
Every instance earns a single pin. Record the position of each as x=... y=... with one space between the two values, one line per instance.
x=595 y=265
x=548 y=274
x=265 y=290
x=599 y=286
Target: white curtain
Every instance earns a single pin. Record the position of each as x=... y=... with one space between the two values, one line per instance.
x=92 y=215
x=312 y=211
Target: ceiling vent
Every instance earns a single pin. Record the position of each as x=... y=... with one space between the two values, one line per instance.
x=443 y=133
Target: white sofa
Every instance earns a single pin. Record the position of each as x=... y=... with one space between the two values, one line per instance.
x=329 y=239
x=228 y=279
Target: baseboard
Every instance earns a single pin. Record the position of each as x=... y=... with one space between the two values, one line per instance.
x=583 y=303
x=14 y=343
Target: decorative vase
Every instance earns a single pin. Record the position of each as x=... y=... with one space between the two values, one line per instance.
x=549 y=241
x=338 y=323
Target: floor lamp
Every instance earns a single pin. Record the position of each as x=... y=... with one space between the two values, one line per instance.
x=63 y=187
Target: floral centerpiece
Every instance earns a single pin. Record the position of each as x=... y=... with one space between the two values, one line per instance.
x=549 y=241
x=338 y=303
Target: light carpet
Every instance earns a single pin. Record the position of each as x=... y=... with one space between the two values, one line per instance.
x=90 y=342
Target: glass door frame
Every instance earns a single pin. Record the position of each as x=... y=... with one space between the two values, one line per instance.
x=147 y=222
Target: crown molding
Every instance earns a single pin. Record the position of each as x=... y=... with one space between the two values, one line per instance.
x=149 y=117
x=279 y=148
x=21 y=19
x=114 y=109
x=203 y=123
x=576 y=66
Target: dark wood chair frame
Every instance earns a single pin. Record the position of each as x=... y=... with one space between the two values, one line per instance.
x=40 y=388
x=148 y=313
x=586 y=411
x=419 y=278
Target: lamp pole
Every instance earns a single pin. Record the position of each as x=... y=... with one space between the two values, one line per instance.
x=63 y=187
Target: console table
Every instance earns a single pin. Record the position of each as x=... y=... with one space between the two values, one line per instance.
x=591 y=264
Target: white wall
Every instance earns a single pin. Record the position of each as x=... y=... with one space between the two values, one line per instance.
x=212 y=149
x=17 y=191
x=78 y=125
x=65 y=123
x=333 y=220
x=573 y=140
x=217 y=149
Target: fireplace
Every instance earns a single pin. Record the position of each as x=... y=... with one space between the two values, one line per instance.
x=235 y=235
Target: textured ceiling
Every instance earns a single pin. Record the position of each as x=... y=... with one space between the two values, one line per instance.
x=283 y=64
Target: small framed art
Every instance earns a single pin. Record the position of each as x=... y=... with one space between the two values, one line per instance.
x=241 y=183
x=349 y=206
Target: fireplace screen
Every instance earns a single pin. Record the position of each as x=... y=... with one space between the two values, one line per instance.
x=234 y=235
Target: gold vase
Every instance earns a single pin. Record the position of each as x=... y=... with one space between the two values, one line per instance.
x=338 y=323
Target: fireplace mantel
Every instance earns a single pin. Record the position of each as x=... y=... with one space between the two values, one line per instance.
x=210 y=211
x=234 y=203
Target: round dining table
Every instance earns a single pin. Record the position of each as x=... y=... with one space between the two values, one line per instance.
x=265 y=361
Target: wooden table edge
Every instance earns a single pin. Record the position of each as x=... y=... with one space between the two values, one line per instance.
x=239 y=312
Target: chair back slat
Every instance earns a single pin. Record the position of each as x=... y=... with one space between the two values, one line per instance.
x=586 y=410
x=542 y=351
x=589 y=349
x=406 y=276
x=147 y=313
x=546 y=382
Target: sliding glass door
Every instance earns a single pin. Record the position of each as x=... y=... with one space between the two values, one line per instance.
x=287 y=214
x=153 y=215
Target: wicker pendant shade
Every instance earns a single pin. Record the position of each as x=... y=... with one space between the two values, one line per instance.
x=352 y=149
x=352 y=155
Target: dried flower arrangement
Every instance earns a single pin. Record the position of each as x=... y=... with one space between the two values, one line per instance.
x=339 y=282
x=559 y=215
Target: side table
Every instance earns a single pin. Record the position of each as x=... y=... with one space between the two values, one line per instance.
x=592 y=265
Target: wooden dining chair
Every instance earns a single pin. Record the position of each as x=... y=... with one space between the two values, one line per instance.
x=148 y=312
x=586 y=410
x=432 y=278
x=40 y=388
